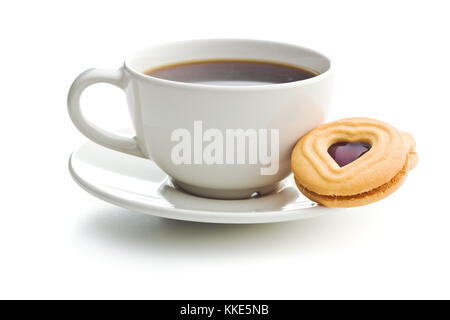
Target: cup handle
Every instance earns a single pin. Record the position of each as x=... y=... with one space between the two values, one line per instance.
x=105 y=138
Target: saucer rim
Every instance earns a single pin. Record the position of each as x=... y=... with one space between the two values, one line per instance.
x=204 y=216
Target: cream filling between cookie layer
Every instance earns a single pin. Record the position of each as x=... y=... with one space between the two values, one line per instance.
x=397 y=178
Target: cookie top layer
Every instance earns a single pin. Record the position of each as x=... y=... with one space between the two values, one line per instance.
x=318 y=172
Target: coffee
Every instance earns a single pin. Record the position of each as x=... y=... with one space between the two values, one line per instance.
x=232 y=72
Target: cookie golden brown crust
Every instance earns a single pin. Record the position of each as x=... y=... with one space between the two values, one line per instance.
x=372 y=177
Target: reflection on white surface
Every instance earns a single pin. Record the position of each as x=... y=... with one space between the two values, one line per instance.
x=138 y=184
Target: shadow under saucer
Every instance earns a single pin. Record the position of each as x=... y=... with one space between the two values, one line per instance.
x=129 y=231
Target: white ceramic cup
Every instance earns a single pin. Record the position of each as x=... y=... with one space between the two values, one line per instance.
x=158 y=107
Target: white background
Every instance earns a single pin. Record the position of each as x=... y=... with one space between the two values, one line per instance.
x=392 y=62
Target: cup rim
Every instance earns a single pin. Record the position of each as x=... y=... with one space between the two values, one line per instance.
x=187 y=85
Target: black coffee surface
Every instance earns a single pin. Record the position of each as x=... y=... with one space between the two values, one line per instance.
x=232 y=72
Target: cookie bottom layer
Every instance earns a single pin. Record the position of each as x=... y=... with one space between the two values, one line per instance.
x=361 y=199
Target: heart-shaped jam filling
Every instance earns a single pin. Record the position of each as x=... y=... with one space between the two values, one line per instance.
x=346 y=152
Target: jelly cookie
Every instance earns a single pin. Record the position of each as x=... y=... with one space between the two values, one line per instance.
x=352 y=162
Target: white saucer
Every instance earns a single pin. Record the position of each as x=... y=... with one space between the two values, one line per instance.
x=138 y=184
